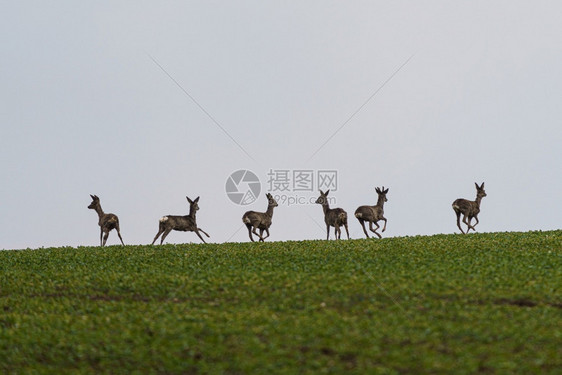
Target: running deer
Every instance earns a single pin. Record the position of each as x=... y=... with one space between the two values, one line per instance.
x=260 y=220
x=107 y=222
x=469 y=209
x=373 y=214
x=335 y=217
x=180 y=223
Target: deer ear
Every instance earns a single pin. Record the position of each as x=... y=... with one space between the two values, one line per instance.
x=189 y=200
x=327 y=192
x=92 y=196
x=196 y=200
x=377 y=190
x=385 y=191
x=477 y=187
x=482 y=186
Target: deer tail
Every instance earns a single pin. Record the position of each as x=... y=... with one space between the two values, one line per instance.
x=358 y=215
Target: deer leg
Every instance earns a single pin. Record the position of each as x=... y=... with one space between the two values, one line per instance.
x=459 y=221
x=472 y=226
x=249 y=226
x=105 y=238
x=338 y=231
x=201 y=230
x=119 y=234
x=166 y=232
x=346 y=230
x=362 y=222
x=267 y=232
x=198 y=235
x=154 y=240
x=261 y=235
x=374 y=230
x=466 y=219
x=475 y=224
x=371 y=226
x=384 y=227
x=328 y=231
x=256 y=233
x=160 y=230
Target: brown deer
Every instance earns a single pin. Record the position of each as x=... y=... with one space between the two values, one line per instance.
x=373 y=214
x=107 y=222
x=335 y=217
x=180 y=223
x=469 y=209
x=260 y=220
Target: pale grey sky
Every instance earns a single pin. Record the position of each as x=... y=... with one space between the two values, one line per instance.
x=86 y=109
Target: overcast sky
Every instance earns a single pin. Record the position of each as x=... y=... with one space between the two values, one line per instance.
x=143 y=103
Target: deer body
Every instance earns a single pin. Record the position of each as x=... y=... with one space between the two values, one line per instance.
x=373 y=214
x=335 y=217
x=107 y=222
x=186 y=223
x=260 y=220
x=469 y=209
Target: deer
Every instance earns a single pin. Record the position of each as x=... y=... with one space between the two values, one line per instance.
x=107 y=222
x=335 y=217
x=373 y=214
x=469 y=209
x=260 y=220
x=186 y=223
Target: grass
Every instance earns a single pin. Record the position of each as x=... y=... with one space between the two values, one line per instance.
x=482 y=303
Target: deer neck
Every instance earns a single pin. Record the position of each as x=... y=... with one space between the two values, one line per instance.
x=269 y=211
x=325 y=207
x=478 y=200
x=99 y=211
x=192 y=213
x=380 y=202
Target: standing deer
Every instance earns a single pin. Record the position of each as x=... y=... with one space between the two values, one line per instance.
x=469 y=209
x=373 y=214
x=180 y=223
x=107 y=222
x=335 y=217
x=260 y=220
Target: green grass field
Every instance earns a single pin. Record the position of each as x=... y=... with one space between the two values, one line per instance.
x=481 y=303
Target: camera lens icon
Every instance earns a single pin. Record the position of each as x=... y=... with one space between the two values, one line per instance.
x=243 y=187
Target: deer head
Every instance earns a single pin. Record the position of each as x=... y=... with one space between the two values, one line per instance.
x=95 y=202
x=271 y=201
x=382 y=193
x=322 y=199
x=480 y=192
x=193 y=204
